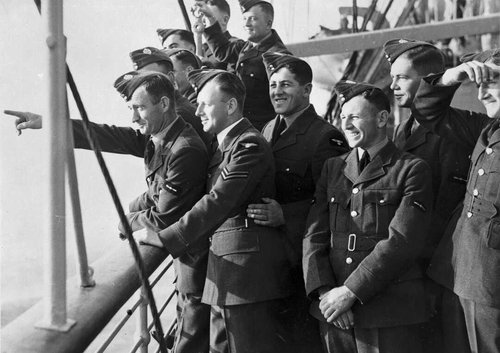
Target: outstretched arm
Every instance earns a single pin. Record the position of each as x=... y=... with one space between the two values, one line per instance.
x=25 y=120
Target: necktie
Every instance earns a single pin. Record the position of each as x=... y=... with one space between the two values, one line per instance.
x=150 y=150
x=278 y=129
x=363 y=162
x=214 y=145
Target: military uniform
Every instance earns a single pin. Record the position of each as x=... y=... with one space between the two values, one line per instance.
x=245 y=60
x=468 y=259
x=175 y=175
x=247 y=266
x=366 y=231
x=299 y=154
x=210 y=60
x=187 y=110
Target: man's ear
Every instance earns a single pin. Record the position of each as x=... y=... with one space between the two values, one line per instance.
x=171 y=77
x=232 y=106
x=165 y=103
x=308 y=88
x=382 y=118
x=189 y=68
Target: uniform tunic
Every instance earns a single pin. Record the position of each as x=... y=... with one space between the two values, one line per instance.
x=367 y=231
x=468 y=261
x=245 y=60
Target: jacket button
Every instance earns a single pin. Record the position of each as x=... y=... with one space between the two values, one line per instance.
x=332 y=199
x=354 y=213
x=480 y=171
x=489 y=150
x=469 y=214
x=355 y=191
x=348 y=261
x=475 y=192
x=287 y=169
x=381 y=202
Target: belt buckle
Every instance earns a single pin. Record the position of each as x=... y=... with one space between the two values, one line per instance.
x=351 y=243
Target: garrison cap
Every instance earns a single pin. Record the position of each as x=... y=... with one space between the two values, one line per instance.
x=198 y=78
x=164 y=33
x=482 y=56
x=175 y=51
x=349 y=89
x=246 y=5
x=127 y=83
x=395 y=47
x=149 y=55
x=275 y=61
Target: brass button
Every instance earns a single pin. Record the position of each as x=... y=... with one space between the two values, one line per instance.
x=355 y=191
x=348 y=261
x=480 y=171
x=489 y=150
x=475 y=192
x=382 y=201
x=469 y=214
x=354 y=213
x=287 y=169
x=332 y=199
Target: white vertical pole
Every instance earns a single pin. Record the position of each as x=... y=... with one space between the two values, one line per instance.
x=142 y=322
x=55 y=128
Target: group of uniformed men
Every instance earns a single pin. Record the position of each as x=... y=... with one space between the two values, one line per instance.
x=291 y=236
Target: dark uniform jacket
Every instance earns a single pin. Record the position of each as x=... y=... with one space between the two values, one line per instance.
x=175 y=175
x=449 y=164
x=246 y=61
x=367 y=232
x=468 y=259
x=247 y=263
x=299 y=154
x=210 y=60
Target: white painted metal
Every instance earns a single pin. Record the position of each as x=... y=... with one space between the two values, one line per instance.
x=54 y=232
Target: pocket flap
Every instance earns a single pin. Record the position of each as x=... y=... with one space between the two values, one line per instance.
x=228 y=242
x=381 y=197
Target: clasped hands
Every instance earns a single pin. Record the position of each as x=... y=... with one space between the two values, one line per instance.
x=335 y=305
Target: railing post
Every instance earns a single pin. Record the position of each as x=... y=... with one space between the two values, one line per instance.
x=142 y=330
x=86 y=272
x=54 y=316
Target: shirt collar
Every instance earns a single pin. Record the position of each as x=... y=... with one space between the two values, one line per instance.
x=374 y=150
x=158 y=138
x=222 y=135
x=291 y=118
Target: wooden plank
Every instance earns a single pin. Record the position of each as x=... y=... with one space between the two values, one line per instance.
x=375 y=39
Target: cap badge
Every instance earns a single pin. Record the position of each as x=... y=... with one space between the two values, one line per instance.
x=147 y=51
x=401 y=41
x=127 y=77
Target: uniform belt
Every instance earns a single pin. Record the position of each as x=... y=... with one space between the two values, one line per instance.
x=476 y=205
x=236 y=222
x=353 y=242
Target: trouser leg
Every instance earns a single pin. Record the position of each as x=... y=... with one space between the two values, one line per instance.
x=193 y=321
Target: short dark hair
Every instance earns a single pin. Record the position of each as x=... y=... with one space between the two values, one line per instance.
x=301 y=70
x=425 y=59
x=267 y=8
x=185 y=36
x=232 y=86
x=377 y=98
x=187 y=58
x=158 y=85
x=222 y=5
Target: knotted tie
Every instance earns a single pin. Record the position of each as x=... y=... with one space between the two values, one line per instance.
x=278 y=129
x=150 y=150
x=363 y=162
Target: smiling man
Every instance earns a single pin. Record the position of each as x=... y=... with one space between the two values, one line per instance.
x=411 y=60
x=467 y=261
x=175 y=161
x=301 y=142
x=245 y=57
x=365 y=232
x=248 y=269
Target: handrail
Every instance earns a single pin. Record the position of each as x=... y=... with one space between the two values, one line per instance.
x=117 y=280
x=345 y=43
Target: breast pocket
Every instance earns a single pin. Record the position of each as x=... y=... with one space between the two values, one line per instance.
x=338 y=206
x=294 y=180
x=379 y=207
